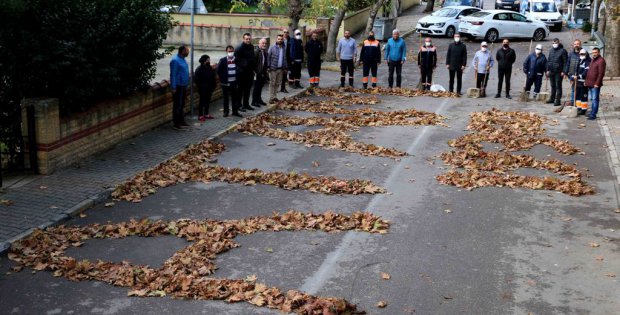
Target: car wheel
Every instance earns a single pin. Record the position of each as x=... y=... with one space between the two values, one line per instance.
x=539 y=35
x=450 y=31
x=491 y=36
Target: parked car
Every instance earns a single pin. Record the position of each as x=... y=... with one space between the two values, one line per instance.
x=512 y=5
x=495 y=24
x=465 y=3
x=444 y=21
x=546 y=11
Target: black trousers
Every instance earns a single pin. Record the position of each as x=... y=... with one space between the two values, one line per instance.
x=481 y=80
x=205 y=100
x=501 y=75
x=370 y=69
x=295 y=71
x=231 y=93
x=426 y=77
x=459 y=80
x=555 y=78
x=178 y=103
x=259 y=82
x=537 y=81
x=246 y=81
x=346 y=66
x=314 y=70
x=398 y=67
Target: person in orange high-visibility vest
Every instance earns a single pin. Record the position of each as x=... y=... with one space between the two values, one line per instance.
x=427 y=61
x=370 y=57
x=314 y=49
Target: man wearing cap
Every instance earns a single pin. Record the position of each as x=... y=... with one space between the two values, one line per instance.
x=456 y=61
x=505 y=57
x=370 y=57
x=534 y=67
x=395 y=56
x=346 y=53
x=427 y=62
x=555 y=71
x=594 y=80
x=296 y=52
x=483 y=62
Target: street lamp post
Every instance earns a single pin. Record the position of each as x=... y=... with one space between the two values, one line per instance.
x=191 y=67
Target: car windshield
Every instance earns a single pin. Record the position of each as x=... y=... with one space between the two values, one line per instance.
x=448 y=3
x=543 y=7
x=479 y=14
x=447 y=12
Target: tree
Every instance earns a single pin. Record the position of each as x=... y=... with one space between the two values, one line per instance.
x=296 y=8
x=80 y=51
x=332 y=36
x=372 y=14
x=430 y=5
x=612 y=35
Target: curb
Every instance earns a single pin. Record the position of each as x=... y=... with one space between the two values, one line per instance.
x=614 y=158
x=104 y=195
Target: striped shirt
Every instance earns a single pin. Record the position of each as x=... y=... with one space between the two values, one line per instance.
x=232 y=70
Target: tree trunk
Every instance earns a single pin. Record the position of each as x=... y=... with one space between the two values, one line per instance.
x=430 y=5
x=296 y=8
x=372 y=14
x=332 y=36
x=612 y=35
x=394 y=11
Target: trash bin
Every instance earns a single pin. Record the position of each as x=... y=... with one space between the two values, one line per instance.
x=383 y=28
x=583 y=14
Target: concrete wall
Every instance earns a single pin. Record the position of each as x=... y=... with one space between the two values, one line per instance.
x=62 y=141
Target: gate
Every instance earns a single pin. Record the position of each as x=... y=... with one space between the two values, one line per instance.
x=12 y=143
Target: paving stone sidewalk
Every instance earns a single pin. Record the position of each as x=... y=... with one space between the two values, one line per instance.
x=609 y=120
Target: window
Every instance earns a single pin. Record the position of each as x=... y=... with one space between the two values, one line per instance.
x=446 y=12
x=544 y=7
x=502 y=17
x=518 y=17
x=467 y=12
x=480 y=14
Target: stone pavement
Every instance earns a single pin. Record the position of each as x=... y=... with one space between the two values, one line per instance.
x=609 y=120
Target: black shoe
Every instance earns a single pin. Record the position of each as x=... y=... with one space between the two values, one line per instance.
x=508 y=96
x=237 y=114
x=225 y=114
x=459 y=93
x=261 y=102
x=591 y=118
x=299 y=86
x=248 y=107
x=242 y=110
x=497 y=96
x=341 y=85
x=550 y=102
x=283 y=90
x=257 y=105
x=557 y=104
x=177 y=127
x=184 y=124
x=365 y=86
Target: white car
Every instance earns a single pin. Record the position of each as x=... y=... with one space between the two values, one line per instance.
x=493 y=25
x=444 y=21
x=546 y=11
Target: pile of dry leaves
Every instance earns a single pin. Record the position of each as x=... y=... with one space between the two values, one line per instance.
x=333 y=92
x=190 y=166
x=516 y=131
x=186 y=273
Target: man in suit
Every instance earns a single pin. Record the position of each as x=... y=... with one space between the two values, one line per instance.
x=260 y=72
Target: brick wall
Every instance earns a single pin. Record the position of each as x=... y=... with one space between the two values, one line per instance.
x=62 y=141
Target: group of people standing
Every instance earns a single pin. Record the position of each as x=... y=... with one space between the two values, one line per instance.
x=248 y=67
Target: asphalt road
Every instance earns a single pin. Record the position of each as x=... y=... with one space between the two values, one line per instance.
x=499 y=251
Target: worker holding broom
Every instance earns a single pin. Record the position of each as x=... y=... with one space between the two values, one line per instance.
x=483 y=62
x=534 y=68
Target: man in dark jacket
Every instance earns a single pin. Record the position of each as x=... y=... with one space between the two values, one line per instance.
x=314 y=49
x=534 y=68
x=579 y=79
x=205 y=81
x=505 y=57
x=594 y=80
x=296 y=54
x=246 y=64
x=370 y=58
x=555 y=71
x=286 y=40
x=427 y=62
x=227 y=71
x=261 y=72
x=456 y=61
x=572 y=65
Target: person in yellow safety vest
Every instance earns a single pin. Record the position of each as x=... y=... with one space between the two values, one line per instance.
x=370 y=57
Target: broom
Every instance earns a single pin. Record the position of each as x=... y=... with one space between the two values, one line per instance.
x=525 y=94
x=567 y=102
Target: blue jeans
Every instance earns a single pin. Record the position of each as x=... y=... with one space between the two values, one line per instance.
x=594 y=93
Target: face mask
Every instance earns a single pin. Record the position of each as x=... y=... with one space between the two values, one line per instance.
x=230 y=54
x=555 y=45
x=505 y=45
x=371 y=38
x=298 y=36
x=457 y=39
x=538 y=51
x=582 y=57
x=483 y=49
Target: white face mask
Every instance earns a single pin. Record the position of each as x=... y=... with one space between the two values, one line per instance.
x=427 y=44
x=582 y=57
x=538 y=51
x=483 y=49
x=230 y=54
x=457 y=39
x=298 y=36
x=555 y=45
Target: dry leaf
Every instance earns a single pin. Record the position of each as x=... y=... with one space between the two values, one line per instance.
x=315 y=163
x=447 y=211
x=385 y=276
x=270 y=144
x=593 y=244
x=599 y=258
x=610 y=274
x=381 y=304
x=109 y=204
x=6 y=202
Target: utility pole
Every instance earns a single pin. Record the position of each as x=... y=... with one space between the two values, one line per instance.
x=191 y=62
